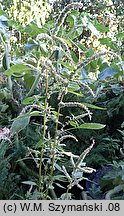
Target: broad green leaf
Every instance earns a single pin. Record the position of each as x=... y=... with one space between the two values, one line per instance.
x=28 y=100
x=33 y=30
x=77 y=32
x=92 y=126
x=89 y=52
x=20 y=124
x=94 y=107
x=18 y=68
x=101 y=27
x=29 y=79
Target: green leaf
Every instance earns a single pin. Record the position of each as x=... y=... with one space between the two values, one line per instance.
x=18 y=68
x=66 y=65
x=35 y=113
x=107 y=72
x=67 y=42
x=20 y=124
x=56 y=113
x=33 y=30
x=28 y=100
x=73 y=87
x=74 y=57
x=94 y=107
x=43 y=47
x=108 y=42
x=71 y=19
x=2 y=13
x=93 y=29
x=101 y=27
x=82 y=47
x=76 y=93
x=75 y=33
x=120 y=36
x=92 y=126
x=74 y=123
x=29 y=183
x=60 y=186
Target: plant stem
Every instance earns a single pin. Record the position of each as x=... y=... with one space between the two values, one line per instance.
x=44 y=133
x=7 y=57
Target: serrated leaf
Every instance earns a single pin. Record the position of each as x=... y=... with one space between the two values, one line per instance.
x=18 y=68
x=92 y=126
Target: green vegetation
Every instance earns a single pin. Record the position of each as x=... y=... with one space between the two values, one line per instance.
x=62 y=100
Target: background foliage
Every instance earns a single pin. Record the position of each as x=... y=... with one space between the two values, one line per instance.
x=62 y=97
